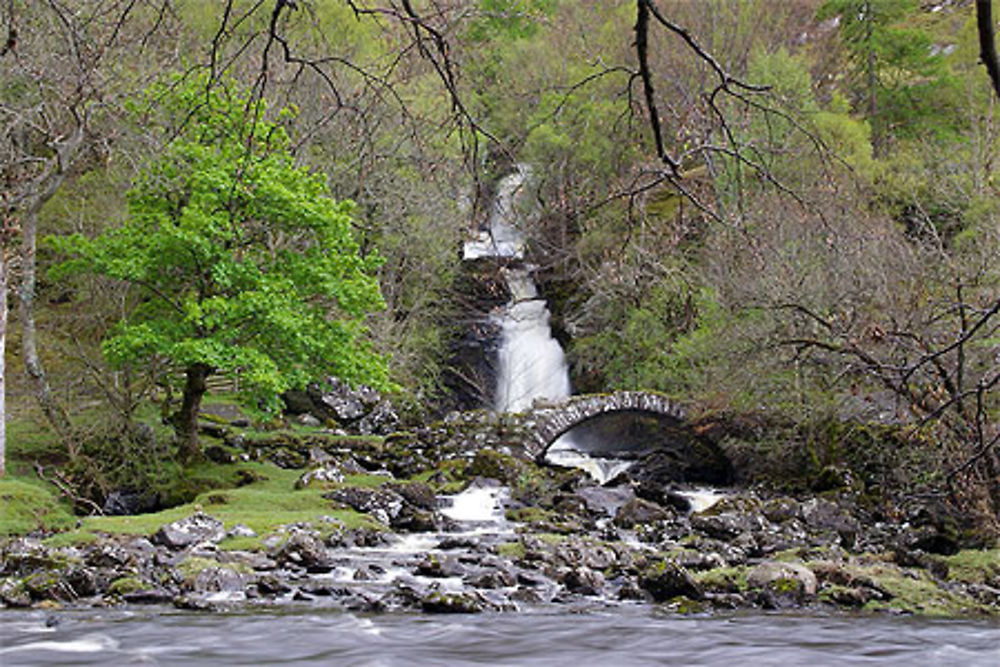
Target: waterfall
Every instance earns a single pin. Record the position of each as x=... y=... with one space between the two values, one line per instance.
x=532 y=364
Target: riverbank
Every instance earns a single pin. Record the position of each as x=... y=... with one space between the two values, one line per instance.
x=384 y=524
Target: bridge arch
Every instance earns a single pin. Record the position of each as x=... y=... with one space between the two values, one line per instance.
x=553 y=421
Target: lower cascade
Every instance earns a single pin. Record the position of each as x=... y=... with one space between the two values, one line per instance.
x=532 y=363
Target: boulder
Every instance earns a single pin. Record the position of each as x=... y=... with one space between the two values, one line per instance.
x=781 y=584
x=583 y=581
x=781 y=509
x=304 y=550
x=382 y=420
x=605 y=501
x=638 y=511
x=666 y=580
x=194 y=529
x=381 y=503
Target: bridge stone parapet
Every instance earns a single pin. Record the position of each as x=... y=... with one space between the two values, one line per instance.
x=549 y=421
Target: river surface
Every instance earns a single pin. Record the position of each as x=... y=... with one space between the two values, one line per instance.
x=620 y=636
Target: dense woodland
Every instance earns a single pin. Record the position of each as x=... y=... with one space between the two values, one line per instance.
x=783 y=213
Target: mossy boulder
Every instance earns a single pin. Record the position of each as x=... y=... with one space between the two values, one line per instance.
x=782 y=584
x=666 y=580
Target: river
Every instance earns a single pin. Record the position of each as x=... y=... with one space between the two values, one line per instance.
x=619 y=636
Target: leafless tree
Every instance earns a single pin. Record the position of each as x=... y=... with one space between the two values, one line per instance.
x=62 y=64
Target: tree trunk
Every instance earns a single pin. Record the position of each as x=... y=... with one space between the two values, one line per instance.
x=187 y=419
x=987 y=42
x=54 y=412
x=3 y=366
x=872 y=82
x=42 y=189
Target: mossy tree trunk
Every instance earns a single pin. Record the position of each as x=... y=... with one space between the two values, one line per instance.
x=26 y=292
x=186 y=424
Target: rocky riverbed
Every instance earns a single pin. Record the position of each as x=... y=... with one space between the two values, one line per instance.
x=485 y=530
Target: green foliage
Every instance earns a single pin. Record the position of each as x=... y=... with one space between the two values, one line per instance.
x=508 y=19
x=896 y=75
x=245 y=263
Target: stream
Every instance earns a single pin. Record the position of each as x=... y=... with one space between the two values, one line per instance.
x=624 y=635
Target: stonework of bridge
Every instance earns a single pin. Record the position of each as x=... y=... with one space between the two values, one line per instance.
x=552 y=420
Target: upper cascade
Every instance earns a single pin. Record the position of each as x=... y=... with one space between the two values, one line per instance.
x=503 y=238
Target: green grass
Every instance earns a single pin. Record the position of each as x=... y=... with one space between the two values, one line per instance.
x=974 y=566
x=263 y=505
x=29 y=440
x=916 y=592
x=27 y=506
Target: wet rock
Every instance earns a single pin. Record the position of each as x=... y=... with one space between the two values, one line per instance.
x=823 y=516
x=149 y=596
x=191 y=530
x=417 y=494
x=576 y=552
x=434 y=565
x=630 y=590
x=638 y=511
x=453 y=603
x=23 y=556
x=304 y=550
x=48 y=585
x=491 y=464
x=665 y=580
x=492 y=579
x=727 y=526
x=781 y=584
x=271 y=585
x=220 y=579
x=583 y=581
x=13 y=593
x=605 y=501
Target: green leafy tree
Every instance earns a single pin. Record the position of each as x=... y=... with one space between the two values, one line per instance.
x=245 y=264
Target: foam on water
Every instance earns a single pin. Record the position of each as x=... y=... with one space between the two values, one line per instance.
x=87 y=644
x=477 y=504
x=602 y=470
x=702 y=498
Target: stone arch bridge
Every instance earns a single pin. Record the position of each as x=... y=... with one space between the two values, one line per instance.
x=548 y=421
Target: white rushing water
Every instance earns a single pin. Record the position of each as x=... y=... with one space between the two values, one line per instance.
x=477 y=504
x=532 y=363
x=602 y=470
x=503 y=238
